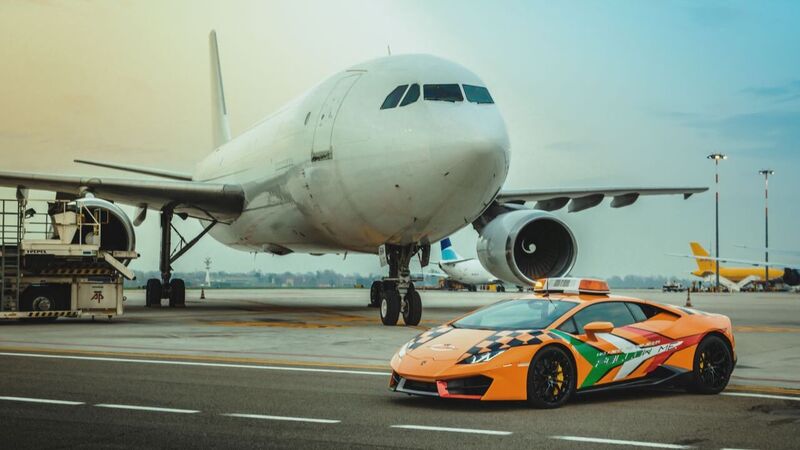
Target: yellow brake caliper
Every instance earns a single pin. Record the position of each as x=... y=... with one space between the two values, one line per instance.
x=559 y=378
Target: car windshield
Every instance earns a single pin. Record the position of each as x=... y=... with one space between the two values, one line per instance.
x=522 y=314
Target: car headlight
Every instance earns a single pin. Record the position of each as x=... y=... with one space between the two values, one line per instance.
x=483 y=357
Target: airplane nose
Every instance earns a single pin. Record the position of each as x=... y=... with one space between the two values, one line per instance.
x=475 y=156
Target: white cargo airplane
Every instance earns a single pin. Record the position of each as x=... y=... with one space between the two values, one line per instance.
x=466 y=271
x=385 y=157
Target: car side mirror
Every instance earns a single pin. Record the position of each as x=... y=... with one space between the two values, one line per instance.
x=593 y=328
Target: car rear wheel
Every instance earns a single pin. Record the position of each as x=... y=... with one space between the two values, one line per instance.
x=551 y=378
x=713 y=364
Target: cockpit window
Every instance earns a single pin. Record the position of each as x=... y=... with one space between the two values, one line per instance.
x=411 y=96
x=477 y=94
x=394 y=97
x=443 y=92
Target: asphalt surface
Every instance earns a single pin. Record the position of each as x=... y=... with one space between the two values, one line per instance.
x=361 y=411
x=308 y=369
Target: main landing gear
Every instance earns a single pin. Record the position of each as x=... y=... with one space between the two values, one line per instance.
x=167 y=288
x=395 y=295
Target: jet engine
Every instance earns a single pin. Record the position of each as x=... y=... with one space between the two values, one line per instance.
x=522 y=246
x=791 y=277
x=92 y=220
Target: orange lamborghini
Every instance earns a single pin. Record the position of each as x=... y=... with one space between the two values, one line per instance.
x=570 y=336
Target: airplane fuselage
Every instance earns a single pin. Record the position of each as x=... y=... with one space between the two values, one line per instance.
x=332 y=171
x=737 y=274
x=468 y=271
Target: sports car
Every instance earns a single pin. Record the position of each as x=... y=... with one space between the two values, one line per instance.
x=570 y=336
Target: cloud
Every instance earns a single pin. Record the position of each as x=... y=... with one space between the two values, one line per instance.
x=713 y=15
x=778 y=92
x=775 y=132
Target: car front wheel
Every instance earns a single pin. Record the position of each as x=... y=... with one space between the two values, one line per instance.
x=551 y=378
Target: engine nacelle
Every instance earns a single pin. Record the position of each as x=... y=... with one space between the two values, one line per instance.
x=116 y=229
x=522 y=246
x=791 y=277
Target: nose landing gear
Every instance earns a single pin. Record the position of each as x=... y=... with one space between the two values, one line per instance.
x=395 y=295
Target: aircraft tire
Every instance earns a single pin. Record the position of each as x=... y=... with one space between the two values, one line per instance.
x=390 y=306
x=152 y=296
x=375 y=294
x=412 y=313
x=177 y=293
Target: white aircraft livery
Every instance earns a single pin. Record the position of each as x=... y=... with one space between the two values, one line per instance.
x=385 y=157
x=467 y=271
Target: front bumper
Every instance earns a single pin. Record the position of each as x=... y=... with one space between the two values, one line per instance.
x=471 y=388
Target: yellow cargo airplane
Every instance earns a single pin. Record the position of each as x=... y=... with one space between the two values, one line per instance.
x=735 y=278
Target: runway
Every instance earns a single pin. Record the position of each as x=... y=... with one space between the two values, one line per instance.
x=309 y=369
x=141 y=404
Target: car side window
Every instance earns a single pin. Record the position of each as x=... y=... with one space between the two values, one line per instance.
x=651 y=311
x=637 y=311
x=569 y=326
x=615 y=312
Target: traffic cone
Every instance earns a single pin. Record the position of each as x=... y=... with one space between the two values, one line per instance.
x=202 y=293
x=688 y=298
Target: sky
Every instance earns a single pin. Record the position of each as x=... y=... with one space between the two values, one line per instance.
x=621 y=93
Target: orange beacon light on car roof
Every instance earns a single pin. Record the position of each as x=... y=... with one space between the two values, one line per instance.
x=572 y=286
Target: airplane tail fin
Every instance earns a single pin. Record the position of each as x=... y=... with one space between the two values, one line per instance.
x=219 y=111
x=704 y=265
x=448 y=253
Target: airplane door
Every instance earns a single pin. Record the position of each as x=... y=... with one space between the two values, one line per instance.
x=321 y=149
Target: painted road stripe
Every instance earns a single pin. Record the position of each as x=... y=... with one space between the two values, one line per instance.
x=453 y=430
x=774 y=397
x=284 y=418
x=147 y=408
x=196 y=364
x=618 y=442
x=40 y=400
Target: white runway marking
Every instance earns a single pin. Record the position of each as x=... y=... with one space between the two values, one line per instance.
x=453 y=430
x=196 y=364
x=774 y=397
x=147 y=408
x=284 y=418
x=40 y=400
x=619 y=442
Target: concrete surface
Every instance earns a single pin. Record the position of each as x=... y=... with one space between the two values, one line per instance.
x=321 y=354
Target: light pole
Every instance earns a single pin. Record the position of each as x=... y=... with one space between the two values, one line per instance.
x=717 y=157
x=766 y=173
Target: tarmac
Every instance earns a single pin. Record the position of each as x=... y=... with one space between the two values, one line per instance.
x=309 y=368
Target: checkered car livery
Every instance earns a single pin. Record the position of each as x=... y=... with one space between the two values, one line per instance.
x=429 y=335
x=503 y=340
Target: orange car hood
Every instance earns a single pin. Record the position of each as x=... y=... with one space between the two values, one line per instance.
x=450 y=345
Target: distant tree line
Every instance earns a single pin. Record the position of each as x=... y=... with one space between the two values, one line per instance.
x=331 y=279
x=259 y=279
x=643 y=282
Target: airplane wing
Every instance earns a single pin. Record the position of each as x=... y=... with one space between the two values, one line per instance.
x=223 y=202
x=771 y=250
x=585 y=198
x=740 y=261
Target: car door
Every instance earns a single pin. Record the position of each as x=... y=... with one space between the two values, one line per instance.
x=606 y=353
